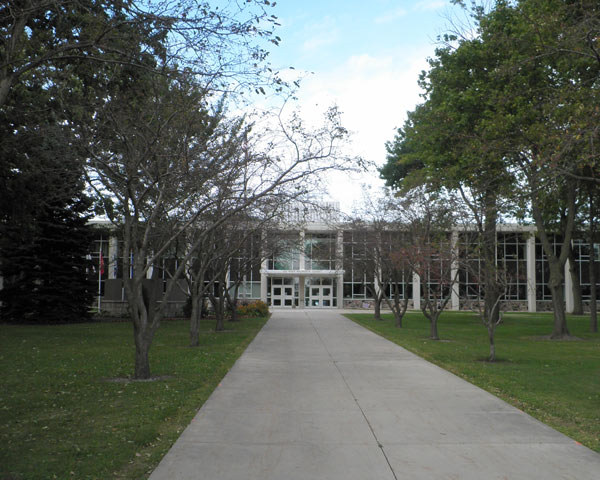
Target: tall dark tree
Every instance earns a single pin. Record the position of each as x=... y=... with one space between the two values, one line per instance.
x=215 y=42
x=50 y=53
x=58 y=62
x=44 y=236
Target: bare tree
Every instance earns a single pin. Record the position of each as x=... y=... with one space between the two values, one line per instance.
x=489 y=307
x=429 y=252
x=171 y=158
x=399 y=273
x=384 y=234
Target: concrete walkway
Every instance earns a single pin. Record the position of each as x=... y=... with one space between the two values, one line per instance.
x=316 y=396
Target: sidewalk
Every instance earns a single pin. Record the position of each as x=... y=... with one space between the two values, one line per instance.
x=316 y=396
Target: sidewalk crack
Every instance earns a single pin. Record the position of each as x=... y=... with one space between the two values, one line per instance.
x=379 y=444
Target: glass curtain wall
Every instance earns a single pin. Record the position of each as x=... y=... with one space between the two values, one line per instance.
x=320 y=251
x=245 y=269
x=395 y=273
x=581 y=253
x=285 y=250
x=358 y=282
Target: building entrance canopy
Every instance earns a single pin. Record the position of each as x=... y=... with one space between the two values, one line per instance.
x=303 y=288
x=302 y=273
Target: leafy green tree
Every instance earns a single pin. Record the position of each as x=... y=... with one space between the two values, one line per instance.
x=509 y=115
x=545 y=89
x=444 y=144
x=215 y=42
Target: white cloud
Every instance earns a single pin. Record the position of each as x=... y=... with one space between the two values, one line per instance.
x=430 y=5
x=319 y=41
x=374 y=93
x=390 y=16
x=320 y=34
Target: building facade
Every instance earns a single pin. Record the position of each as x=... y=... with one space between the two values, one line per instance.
x=323 y=265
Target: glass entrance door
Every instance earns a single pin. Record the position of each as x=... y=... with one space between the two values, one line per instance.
x=282 y=292
x=321 y=296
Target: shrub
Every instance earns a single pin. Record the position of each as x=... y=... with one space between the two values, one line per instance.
x=253 y=309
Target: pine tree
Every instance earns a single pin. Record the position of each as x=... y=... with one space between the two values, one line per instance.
x=44 y=236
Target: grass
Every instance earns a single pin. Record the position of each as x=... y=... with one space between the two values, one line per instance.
x=62 y=417
x=558 y=382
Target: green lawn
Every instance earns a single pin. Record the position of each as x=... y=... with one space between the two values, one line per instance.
x=61 y=417
x=557 y=382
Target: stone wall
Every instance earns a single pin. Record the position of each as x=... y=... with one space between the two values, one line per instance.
x=114 y=308
x=369 y=305
x=506 y=305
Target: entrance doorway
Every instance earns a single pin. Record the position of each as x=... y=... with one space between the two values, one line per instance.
x=321 y=296
x=282 y=292
x=320 y=292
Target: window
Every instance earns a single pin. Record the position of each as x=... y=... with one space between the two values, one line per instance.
x=320 y=251
x=355 y=266
x=542 y=269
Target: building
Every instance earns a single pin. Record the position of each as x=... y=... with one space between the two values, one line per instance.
x=321 y=264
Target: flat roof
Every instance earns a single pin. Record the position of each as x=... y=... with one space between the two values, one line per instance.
x=302 y=273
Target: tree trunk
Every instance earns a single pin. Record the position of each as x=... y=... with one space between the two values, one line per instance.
x=142 y=301
x=195 y=319
x=398 y=319
x=233 y=308
x=433 y=330
x=593 y=295
x=431 y=312
x=232 y=303
x=574 y=273
x=555 y=263
x=398 y=309
x=592 y=266
x=555 y=284
x=491 y=332
x=142 y=349
x=220 y=313
x=377 y=298
x=491 y=312
x=220 y=322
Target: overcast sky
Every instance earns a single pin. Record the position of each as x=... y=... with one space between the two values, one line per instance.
x=366 y=57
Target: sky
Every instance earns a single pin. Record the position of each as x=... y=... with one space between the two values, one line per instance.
x=365 y=57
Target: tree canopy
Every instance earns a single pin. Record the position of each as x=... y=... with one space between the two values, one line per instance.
x=509 y=120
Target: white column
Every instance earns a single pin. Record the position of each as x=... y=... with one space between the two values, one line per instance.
x=264 y=265
x=150 y=270
x=569 y=300
x=454 y=299
x=302 y=287
x=113 y=257
x=301 y=251
x=340 y=291
x=339 y=250
x=416 y=292
x=228 y=279
x=263 y=281
x=531 y=288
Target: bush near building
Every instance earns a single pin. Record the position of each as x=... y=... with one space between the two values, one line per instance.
x=253 y=309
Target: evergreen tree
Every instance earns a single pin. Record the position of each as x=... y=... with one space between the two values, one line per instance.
x=44 y=236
